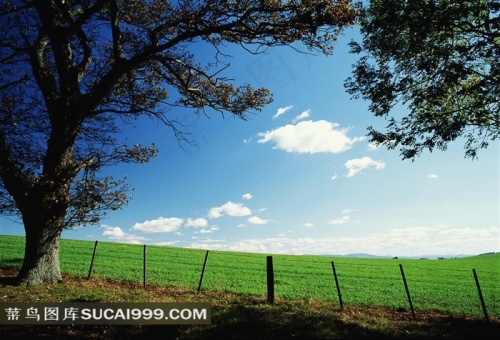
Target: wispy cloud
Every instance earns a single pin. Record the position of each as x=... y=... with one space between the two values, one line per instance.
x=303 y=115
x=159 y=225
x=247 y=196
x=310 y=137
x=341 y=220
x=373 y=146
x=168 y=243
x=257 y=220
x=209 y=231
x=229 y=209
x=357 y=165
x=282 y=110
x=432 y=176
x=439 y=240
x=308 y=225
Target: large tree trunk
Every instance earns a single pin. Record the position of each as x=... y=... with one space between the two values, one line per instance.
x=41 y=255
x=44 y=207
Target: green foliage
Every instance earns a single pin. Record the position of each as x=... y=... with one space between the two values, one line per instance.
x=439 y=59
x=446 y=286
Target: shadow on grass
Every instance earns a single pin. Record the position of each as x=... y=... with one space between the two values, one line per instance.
x=270 y=322
x=275 y=322
x=12 y=265
x=252 y=326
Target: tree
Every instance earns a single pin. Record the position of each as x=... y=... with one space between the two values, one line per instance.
x=439 y=59
x=72 y=71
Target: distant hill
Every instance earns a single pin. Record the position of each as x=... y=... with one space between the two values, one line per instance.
x=364 y=255
x=433 y=257
x=490 y=253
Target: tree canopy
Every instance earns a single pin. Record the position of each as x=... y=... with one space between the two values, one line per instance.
x=70 y=70
x=439 y=62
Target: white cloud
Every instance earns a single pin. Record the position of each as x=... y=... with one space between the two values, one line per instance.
x=229 y=209
x=208 y=240
x=373 y=146
x=209 y=231
x=196 y=223
x=247 y=196
x=419 y=241
x=132 y=241
x=341 y=220
x=116 y=233
x=359 y=164
x=303 y=115
x=113 y=232
x=282 y=110
x=167 y=243
x=432 y=176
x=160 y=225
x=310 y=137
x=334 y=177
x=257 y=220
x=347 y=211
x=308 y=225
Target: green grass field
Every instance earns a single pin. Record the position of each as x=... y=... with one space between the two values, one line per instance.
x=445 y=286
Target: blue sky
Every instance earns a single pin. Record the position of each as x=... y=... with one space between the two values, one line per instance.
x=300 y=177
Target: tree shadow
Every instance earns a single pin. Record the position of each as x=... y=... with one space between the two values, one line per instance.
x=8 y=271
x=248 y=325
x=257 y=322
x=248 y=322
x=251 y=322
x=9 y=281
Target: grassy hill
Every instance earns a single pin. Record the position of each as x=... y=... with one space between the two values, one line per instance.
x=445 y=286
x=307 y=306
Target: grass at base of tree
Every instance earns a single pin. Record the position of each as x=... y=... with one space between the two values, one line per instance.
x=235 y=316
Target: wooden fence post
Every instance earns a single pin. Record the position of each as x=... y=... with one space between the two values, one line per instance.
x=92 y=261
x=338 y=287
x=407 y=290
x=485 y=312
x=145 y=269
x=270 y=280
x=203 y=271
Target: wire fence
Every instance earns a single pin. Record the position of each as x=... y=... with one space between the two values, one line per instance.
x=448 y=286
x=444 y=286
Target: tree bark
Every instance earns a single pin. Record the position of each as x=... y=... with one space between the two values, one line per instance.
x=41 y=254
